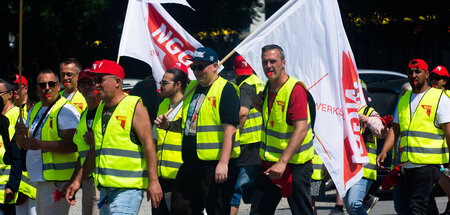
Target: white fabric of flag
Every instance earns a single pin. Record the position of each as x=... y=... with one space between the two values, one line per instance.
x=151 y=35
x=318 y=54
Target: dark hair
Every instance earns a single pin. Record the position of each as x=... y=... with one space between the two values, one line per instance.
x=179 y=76
x=8 y=85
x=271 y=47
x=46 y=71
x=74 y=61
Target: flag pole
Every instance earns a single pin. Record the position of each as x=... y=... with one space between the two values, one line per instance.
x=118 y=59
x=20 y=58
x=194 y=87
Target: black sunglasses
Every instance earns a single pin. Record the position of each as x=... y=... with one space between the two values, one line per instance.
x=88 y=82
x=51 y=84
x=200 y=67
x=164 y=82
x=100 y=79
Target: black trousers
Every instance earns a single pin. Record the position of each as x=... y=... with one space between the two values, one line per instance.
x=197 y=190
x=416 y=184
x=266 y=195
x=167 y=185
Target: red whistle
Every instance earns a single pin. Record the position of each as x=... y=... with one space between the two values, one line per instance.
x=434 y=85
x=269 y=73
x=415 y=83
x=65 y=84
x=47 y=95
x=95 y=91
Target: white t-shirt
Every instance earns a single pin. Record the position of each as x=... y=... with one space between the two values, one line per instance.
x=68 y=118
x=442 y=115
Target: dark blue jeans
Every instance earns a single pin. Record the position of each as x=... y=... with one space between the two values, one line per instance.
x=266 y=195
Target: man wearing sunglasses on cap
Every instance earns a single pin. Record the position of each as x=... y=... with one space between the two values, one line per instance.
x=69 y=69
x=47 y=137
x=210 y=142
x=125 y=165
x=86 y=86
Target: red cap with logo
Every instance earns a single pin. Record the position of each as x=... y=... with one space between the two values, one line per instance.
x=86 y=73
x=241 y=66
x=441 y=71
x=418 y=63
x=181 y=67
x=108 y=67
x=24 y=80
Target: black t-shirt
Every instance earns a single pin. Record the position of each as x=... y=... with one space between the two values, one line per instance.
x=229 y=114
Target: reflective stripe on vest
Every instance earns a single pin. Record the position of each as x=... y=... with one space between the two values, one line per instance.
x=421 y=141
x=209 y=126
x=120 y=163
x=369 y=169
x=251 y=132
x=4 y=175
x=168 y=149
x=276 y=132
x=56 y=166
x=77 y=100
x=26 y=186
x=317 y=167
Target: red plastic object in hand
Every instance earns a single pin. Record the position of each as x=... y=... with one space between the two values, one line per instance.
x=392 y=178
x=387 y=120
x=57 y=195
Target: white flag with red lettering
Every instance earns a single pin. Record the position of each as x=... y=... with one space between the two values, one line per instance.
x=151 y=35
x=318 y=53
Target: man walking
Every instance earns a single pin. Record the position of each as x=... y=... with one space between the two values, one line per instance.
x=422 y=120
x=125 y=157
x=250 y=126
x=210 y=141
x=286 y=147
x=50 y=158
x=69 y=70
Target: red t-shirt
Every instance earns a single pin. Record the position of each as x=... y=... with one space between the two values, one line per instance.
x=297 y=108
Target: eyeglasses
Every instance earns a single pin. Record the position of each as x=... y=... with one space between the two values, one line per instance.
x=3 y=92
x=164 y=82
x=50 y=84
x=68 y=74
x=200 y=67
x=100 y=79
x=434 y=76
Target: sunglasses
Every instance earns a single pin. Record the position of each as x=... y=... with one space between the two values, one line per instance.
x=85 y=83
x=164 y=82
x=50 y=84
x=434 y=76
x=3 y=92
x=199 y=67
x=100 y=79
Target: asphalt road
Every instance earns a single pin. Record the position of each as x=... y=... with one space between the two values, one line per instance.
x=384 y=206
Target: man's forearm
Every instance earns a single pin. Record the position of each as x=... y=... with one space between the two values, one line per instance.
x=60 y=146
x=391 y=138
x=89 y=164
x=227 y=145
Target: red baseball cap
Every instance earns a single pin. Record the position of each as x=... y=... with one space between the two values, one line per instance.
x=241 y=66
x=181 y=67
x=418 y=63
x=86 y=73
x=108 y=67
x=441 y=71
x=24 y=80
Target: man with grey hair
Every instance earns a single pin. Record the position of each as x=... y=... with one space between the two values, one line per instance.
x=69 y=70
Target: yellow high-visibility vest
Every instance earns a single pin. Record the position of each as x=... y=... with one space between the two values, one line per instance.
x=251 y=132
x=277 y=133
x=119 y=162
x=4 y=175
x=317 y=167
x=56 y=166
x=209 y=126
x=421 y=141
x=77 y=100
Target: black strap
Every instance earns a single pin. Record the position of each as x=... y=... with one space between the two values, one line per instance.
x=43 y=116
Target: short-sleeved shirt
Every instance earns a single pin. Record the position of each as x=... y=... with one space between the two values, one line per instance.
x=297 y=108
x=68 y=118
x=229 y=114
x=442 y=115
